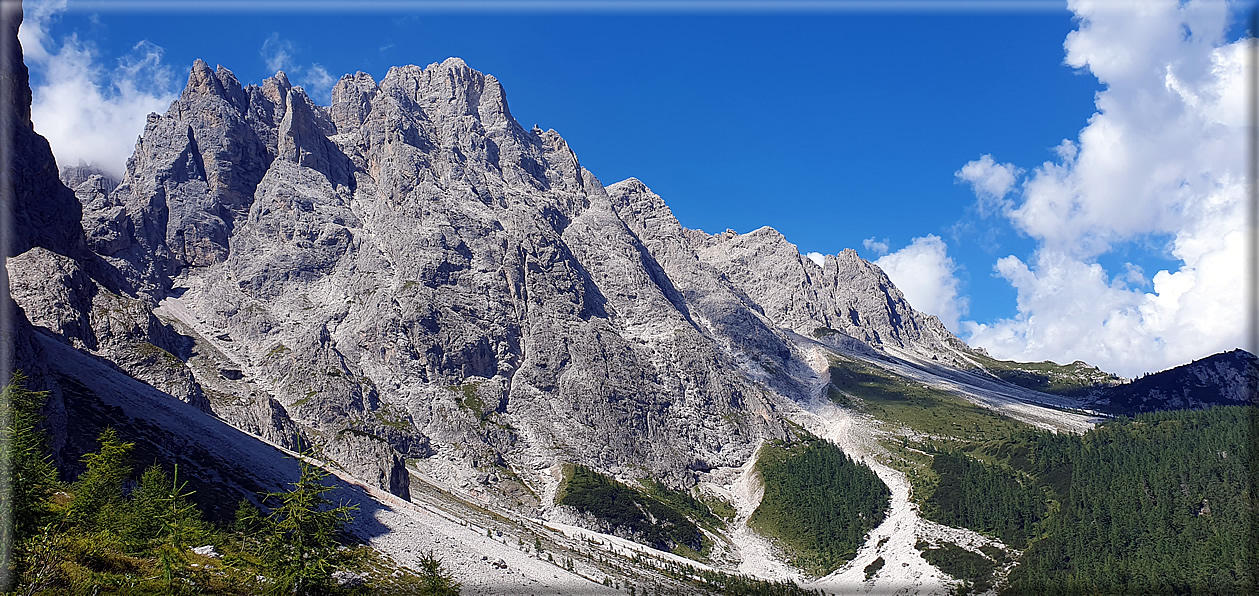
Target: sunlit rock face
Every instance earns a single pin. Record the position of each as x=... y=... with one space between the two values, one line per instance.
x=408 y=275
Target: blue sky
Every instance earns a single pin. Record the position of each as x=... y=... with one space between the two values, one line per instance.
x=839 y=128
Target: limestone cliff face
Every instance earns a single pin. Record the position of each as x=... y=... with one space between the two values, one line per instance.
x=411 y=272
x=762 y=271
x=410 y=275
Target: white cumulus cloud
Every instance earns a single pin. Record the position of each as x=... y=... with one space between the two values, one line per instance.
x=1163 y=156
x=991 y=182
x=925 y=273
x=817 y=257
x=89 y=111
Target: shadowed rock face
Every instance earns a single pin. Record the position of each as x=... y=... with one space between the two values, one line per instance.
x=44 y=212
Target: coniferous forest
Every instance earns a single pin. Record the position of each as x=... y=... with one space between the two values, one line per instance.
x=818 y=502
x=1160 y=503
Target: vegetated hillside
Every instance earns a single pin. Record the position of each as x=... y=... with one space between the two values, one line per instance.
x=818 y=503
x=1227 y=378
x=1085 y=509
x=1076 y=379
x=916 y=418
x=1159 y=503
x=661 y=523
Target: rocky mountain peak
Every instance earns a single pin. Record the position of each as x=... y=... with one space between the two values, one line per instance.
x=352 y=100
x=202 y=80
x=449 y=90
x=303 y=139
x=276 y=88
x=73 y=176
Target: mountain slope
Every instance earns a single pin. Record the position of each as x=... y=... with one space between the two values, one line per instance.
x=412 y=268
x=1224 y=379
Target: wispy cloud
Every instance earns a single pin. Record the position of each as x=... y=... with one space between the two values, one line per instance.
x=878 y=247
x=279 y=54
x=89 y=111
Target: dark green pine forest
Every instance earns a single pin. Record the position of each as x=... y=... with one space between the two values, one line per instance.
x=1159 y=503
x=818 y=502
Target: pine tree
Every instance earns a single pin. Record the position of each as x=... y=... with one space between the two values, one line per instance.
x=435 y=580
x=146 y=506
x=181 y=521
x=98 y=498
x=249 y=523
x=27 y=474
x=302 y=529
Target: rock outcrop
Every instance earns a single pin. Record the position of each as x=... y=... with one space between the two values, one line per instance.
x=845 y=296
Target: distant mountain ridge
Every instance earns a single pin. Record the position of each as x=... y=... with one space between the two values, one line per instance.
x=1224 y=379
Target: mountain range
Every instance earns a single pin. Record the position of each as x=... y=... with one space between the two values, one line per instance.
x=455 y=311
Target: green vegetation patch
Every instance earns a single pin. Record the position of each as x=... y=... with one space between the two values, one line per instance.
x=1159 y=503
x=278 y=350
x=689 y=505
x=157 y=354
x=470 y=399
x=393 y=419
x=1077 y=378
x=818 y=503
x=921 y=409
x=874 y=567
x=305 y=399
x=976 y=571
x=646 y=518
